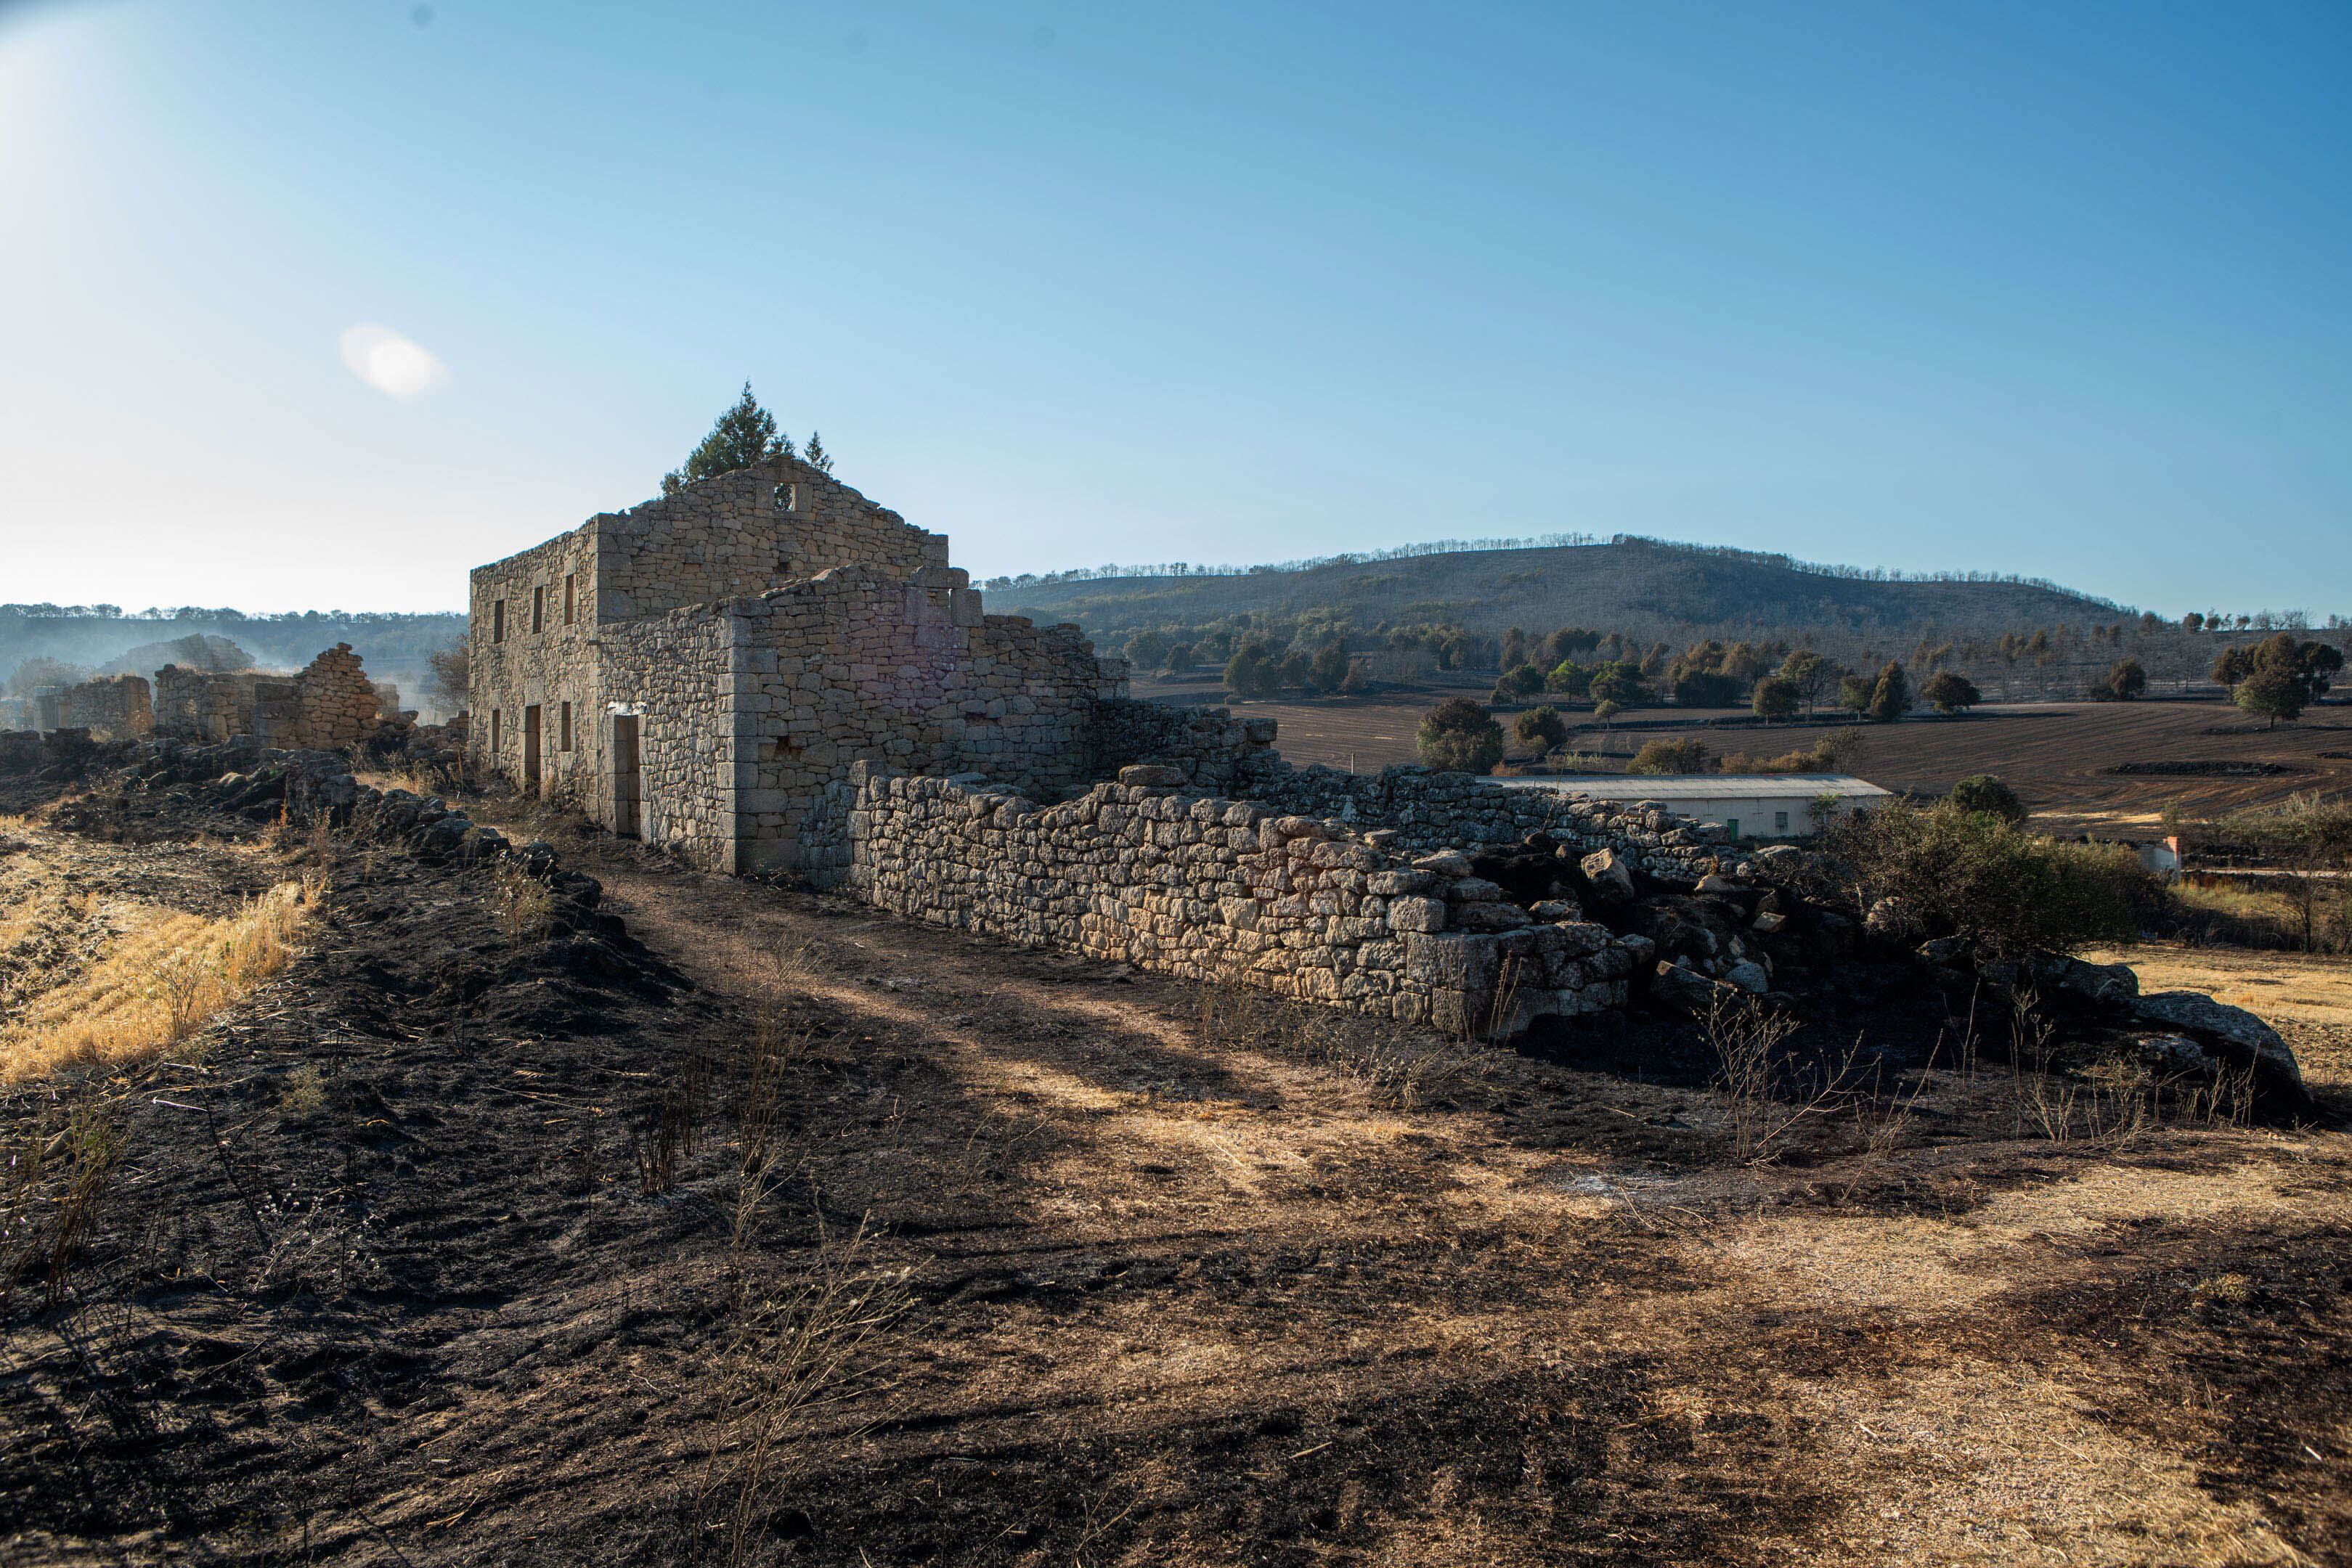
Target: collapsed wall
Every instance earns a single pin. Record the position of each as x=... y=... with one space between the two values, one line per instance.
x=337 y=702
x=1207 y=888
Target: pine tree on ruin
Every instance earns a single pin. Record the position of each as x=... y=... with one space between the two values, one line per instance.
x=746 y=434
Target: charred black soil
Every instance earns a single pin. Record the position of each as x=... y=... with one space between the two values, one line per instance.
x=702 y=1221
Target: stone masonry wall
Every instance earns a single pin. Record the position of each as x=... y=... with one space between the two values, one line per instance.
x=1212 y=749
x=744 y=533
x=757 y=707
x=337 y=702
x=1211 y=889
x=183 y=703
x=118 y=707
x=677 y=675
x=531 y=655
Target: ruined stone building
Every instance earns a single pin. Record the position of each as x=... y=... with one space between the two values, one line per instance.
x=327 y=705
x=702 y=670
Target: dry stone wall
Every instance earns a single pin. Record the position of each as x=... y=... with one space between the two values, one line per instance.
x=337 y=703
x=118 y=707
x=1213 y=889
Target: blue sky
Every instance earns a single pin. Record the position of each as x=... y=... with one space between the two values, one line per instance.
x=2056 y=289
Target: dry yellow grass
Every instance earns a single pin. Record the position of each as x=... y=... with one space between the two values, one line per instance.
x=155 y=983
x=2290 y=987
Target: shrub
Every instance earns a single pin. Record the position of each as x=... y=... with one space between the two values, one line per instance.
x=2125 y=681
x=1670 y=757
x=1984 y=792
x=1542 y=727
x=1460 y=737
x=2004 y=891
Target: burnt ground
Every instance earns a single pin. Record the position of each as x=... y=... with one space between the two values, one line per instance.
x=1051 y=1261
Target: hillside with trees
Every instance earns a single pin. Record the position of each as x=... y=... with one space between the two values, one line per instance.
x=1633 y=620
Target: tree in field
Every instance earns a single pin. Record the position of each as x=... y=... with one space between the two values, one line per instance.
x=1986 y=793
x=1950 y=691
x=448 y=677
x=746 y=434
x=1606 y=710
x=1776 y=697
x=1520 y=681
x=1249 y=672
x=1182 y=660
x=1329 y=672
x=1619 y=681
x=2278 y=677
x=1811 y=673
x=1296 y=670
x=814 y=455
x=1357 y=681
x=1146 y=649
x=2270 y=694
x=1514 y=648
x=1890 y=696
x=1542 y=728
x=1854 y=693
x=1460 y=737
x=2125 y=680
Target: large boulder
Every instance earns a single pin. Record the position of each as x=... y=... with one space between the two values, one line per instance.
x=2233 y=1035
x=1685 y=989
x=1606 y=873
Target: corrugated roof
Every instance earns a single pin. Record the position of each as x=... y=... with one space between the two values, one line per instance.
x=1702 y=786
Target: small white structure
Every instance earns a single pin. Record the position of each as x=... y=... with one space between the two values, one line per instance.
x=1748 y=804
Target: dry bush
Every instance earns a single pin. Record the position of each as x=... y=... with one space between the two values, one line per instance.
x=1767 y=1094
x=525 y=906
x=305 y=1093
x=793 y=1344
x=50 y=1190
x=158 y=984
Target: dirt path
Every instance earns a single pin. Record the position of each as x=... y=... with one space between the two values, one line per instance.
x=1201 y=1281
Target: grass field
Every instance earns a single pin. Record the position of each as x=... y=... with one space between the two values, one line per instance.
x=2060 y=757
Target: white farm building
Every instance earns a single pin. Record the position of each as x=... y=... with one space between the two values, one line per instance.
x=1748 y=804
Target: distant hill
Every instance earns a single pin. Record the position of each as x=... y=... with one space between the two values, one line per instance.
x=392 y=646
x=1646 y=586
x=195 y=651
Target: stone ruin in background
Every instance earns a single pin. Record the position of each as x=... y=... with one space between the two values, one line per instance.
x=327 y=705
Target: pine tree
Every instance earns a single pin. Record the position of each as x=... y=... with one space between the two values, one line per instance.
x=1890 y=699
x=746 y=434
x=815 y=455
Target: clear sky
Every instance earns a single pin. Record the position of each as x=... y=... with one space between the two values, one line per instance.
x=319 y=304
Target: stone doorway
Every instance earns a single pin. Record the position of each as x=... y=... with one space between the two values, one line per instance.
x=626 y=799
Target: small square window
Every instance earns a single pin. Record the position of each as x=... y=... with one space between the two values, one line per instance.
x=1780 y=822
x=788 y=497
